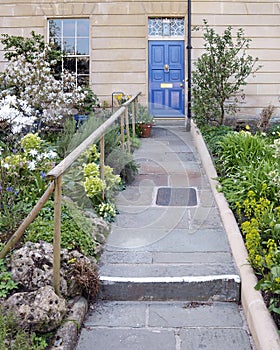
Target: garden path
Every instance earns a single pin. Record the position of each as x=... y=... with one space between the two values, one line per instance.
x=168 y=279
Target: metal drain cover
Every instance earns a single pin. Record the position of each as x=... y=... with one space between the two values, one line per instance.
x=180 y=197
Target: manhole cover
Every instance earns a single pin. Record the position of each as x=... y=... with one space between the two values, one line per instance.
x=180 y=197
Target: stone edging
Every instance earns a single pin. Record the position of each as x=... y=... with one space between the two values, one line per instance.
x=260 y=322
x=67 y=334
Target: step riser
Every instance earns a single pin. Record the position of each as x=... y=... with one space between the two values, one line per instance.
x=218 y=290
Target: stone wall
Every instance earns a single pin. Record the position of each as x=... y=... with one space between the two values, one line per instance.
x=119 y=38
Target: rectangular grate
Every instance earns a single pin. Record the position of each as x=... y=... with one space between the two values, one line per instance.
x=180 y=197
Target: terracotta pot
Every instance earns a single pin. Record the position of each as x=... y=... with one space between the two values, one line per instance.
x=146 y=130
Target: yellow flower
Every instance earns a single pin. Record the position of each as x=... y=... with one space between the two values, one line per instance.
x=247 y=127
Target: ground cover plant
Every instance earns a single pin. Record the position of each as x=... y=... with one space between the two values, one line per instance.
x=248 y=166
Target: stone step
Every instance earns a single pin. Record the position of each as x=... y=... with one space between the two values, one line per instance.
x=198 y=288
x=165 y=326
x=153 y=275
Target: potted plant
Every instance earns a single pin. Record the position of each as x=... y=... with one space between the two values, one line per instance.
x=144 y=121
x=85 y=103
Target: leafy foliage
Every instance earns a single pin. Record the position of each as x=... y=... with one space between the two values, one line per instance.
x=12 y=337
x=29 y=163
x=219 y=75
x=6 y=282
x=144 y=116
x=75 y=229
x=249 y=167
x=16 y=46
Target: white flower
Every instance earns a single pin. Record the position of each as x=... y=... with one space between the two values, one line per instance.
x=51 y=155
x=32 y=165
x=33 y=152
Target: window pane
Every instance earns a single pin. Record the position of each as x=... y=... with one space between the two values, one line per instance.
x=69 y=45
x=69 y=27
x=155 y=26
x=56 y=42
x=82 y=46
x=57 y=70
x=83 y=65
x=83 y=80
x=55 y=28
x=166 y=27
x=69 y=63
x=83 y=27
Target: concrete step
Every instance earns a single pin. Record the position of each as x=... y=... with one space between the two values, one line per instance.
x=164 y=326
x=199 y=288
x=149 y=275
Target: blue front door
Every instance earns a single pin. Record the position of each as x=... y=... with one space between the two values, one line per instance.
x=166 y=78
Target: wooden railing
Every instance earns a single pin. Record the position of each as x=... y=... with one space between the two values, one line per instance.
x=56 y=174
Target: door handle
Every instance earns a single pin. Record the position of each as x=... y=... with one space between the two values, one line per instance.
x=182 y=85
x=166 y=68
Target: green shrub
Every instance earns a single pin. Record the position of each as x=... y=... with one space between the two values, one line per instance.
x=212 y=136
x=219 y=74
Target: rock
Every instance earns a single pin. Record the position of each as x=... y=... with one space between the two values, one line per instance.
x=41 y=310
x=101 y=229
x=32 y=268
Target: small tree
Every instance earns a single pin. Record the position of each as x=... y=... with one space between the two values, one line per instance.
x=219 y=75
x=32 y=96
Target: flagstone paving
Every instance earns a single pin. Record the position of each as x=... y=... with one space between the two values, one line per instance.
x=168 y=279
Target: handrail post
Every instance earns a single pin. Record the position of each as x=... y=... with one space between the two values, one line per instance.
x=57 y=234
x=133 y=118
x=127 y=128
x=137 y=108
x=122 y=130
x=102 y=157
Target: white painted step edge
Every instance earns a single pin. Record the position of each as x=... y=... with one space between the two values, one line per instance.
x=180 y=279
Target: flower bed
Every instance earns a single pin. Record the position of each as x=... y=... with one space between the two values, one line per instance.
x=248 y=168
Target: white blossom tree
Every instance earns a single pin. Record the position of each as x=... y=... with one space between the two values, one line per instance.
x=31 y=96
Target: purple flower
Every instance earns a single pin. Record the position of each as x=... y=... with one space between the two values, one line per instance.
x=9 y=189
x=42 y=174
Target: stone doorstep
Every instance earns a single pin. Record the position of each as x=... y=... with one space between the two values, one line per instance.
x=198 y=288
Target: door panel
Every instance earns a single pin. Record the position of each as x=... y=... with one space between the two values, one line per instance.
x=166 y=78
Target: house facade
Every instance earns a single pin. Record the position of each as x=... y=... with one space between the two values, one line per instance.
x=131 y=46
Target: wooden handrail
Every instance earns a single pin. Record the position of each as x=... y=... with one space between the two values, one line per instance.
x=56 y=185
x=95 y=136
